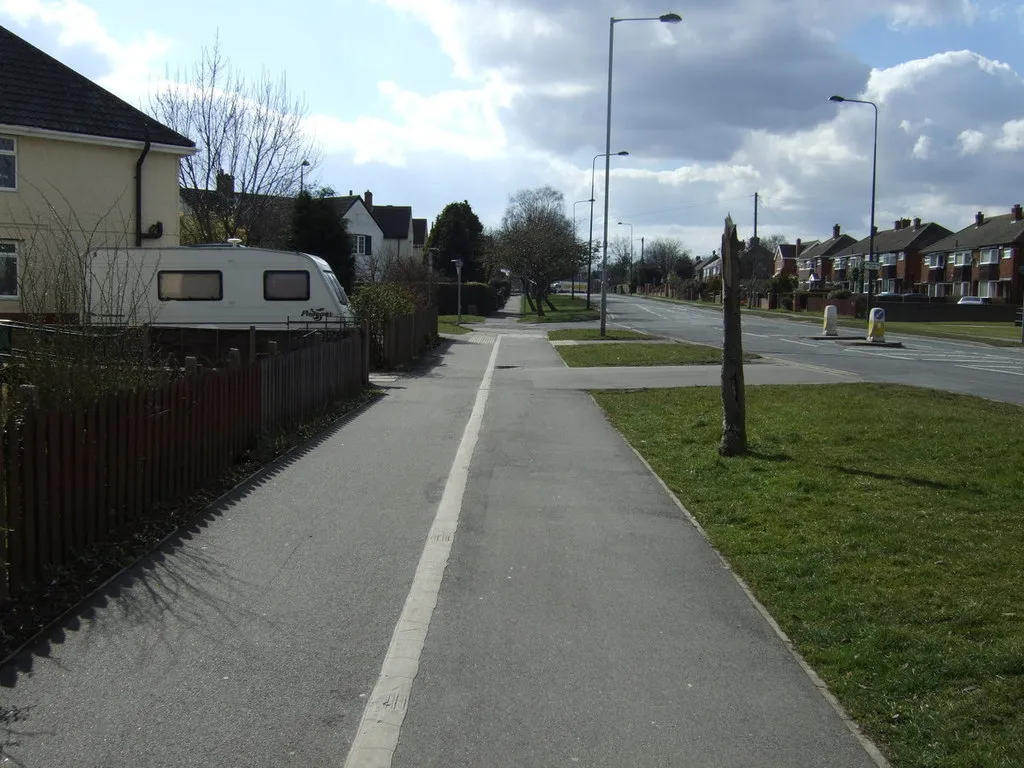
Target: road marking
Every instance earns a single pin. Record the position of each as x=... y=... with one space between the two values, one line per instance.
x=801 y=343
x=377 y=736
x=993 y=370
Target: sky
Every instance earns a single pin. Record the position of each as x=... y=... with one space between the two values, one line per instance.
x=426 y=102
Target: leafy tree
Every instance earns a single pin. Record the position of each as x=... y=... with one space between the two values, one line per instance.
x=685 y=267
x=319 y=229
x=773 y=241
x=458 y=234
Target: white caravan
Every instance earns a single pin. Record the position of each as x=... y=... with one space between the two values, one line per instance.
x=213 y=286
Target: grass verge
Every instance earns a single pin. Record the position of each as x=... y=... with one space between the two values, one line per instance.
x=446 y=323
x=26 y=614
x=601 y=355
x=594 y=334
x=884 y=536
x=568 y=310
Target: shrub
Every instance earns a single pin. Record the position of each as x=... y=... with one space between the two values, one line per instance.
x=839 y=293
x=480 y=295
x=503 y=289
x=374 y=304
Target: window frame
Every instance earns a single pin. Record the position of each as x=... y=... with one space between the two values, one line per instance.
x=162 y=272
x=16 y=256
x=989 y=256
x=268 y=272
x=13 y=152
x=1006 y=253
x=358 y=245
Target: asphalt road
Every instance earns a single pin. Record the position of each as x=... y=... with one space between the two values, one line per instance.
x=996 y=373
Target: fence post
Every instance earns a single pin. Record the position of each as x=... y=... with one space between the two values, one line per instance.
x=365 y=336
x=272 y=348
x=234 y=357
x=252 y=343
x=191 y=365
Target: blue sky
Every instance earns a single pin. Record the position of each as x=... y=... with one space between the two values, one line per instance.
x=429 y=101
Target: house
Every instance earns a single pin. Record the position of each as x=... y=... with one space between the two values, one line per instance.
x=898 y=252
x=814 y=265
x=396 y=223
x=984 y=259
x=711 y=268
x=261 y=220
x=79 y=169
x=366 y=235
x=786 y=255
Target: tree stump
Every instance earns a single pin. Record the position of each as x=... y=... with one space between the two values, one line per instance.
x=734 y=428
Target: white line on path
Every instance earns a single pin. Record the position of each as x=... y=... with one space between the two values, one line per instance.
x=377 y=736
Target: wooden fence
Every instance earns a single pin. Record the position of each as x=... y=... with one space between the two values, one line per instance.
x=71 y=477
x=406 y=336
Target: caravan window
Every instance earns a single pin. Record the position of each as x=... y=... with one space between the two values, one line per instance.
x=190 y=285
x=332 y=281
x=286 y=285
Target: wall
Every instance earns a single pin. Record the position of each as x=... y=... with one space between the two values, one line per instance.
x=72 y=196
x=947 y=313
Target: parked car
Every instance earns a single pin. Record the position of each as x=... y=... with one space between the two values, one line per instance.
x=974 y=300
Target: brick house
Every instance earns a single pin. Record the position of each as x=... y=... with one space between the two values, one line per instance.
x=814 y=265
x=898 y=252
x=983 y=259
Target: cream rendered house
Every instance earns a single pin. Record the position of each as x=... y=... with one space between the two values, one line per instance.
x=79 y=169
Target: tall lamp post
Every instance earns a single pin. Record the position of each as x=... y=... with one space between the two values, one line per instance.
x=302 y=176
x=665 y=18
x=874 y=168
x=630 y=273
x=576 y=272
x=590 y=241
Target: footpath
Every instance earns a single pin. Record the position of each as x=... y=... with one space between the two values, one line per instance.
x=553 y=605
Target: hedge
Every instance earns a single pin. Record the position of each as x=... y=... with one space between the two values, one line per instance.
x=479 y=295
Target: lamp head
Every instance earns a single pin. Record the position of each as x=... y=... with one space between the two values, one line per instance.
x=623 y=153
x=837 y=99
x=670 y=18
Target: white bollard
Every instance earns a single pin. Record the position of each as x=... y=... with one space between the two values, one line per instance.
x=831 y=320
x=876 y=325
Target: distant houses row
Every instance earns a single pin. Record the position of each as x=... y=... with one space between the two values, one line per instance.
x=983 y=259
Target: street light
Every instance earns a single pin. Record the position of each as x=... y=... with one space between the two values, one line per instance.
x=458 y=270
x=874 y=169
x=575 y=274
x=665 y=18
x=624 y=224
x=590 y=242
x=302 y=176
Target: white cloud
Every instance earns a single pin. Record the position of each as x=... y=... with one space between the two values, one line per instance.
x=79 y=25
x=971 y=141
x=1011 y=136
x=922 y=148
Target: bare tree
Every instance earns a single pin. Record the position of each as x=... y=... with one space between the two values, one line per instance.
x=374 y=267
x=252 y=148
x=55 y=349
x=536 y=242
x=664 y=253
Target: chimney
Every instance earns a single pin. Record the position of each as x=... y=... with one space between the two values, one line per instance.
x=368 y=200
x=1017 y=212
x=350 y=193
x=979 y=218
x=917 y=223
x=897 y=224
x=904 y=223
x=797 y=251
x=835 y=232
x=225 y=183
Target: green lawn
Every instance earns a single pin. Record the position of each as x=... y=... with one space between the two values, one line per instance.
x=594 y=334
x=446 y=323
x=883 y=528
x=640 y=353
x=569 y=310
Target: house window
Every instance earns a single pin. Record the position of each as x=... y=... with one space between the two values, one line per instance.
x=361 y=245
x=889 y=260
x=990 y=256
x=902 y=257
x=8 y=163
x=190 y=285
x=840 y=263
x=1007 y=253
x=962 y=259
x=936 y=260
x=8 y=270
x=286 y=285
x=988 y=290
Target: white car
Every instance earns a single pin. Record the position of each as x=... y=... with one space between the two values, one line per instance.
x=974 y=300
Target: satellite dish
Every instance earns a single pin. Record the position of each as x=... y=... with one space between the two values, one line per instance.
x=235 y=240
